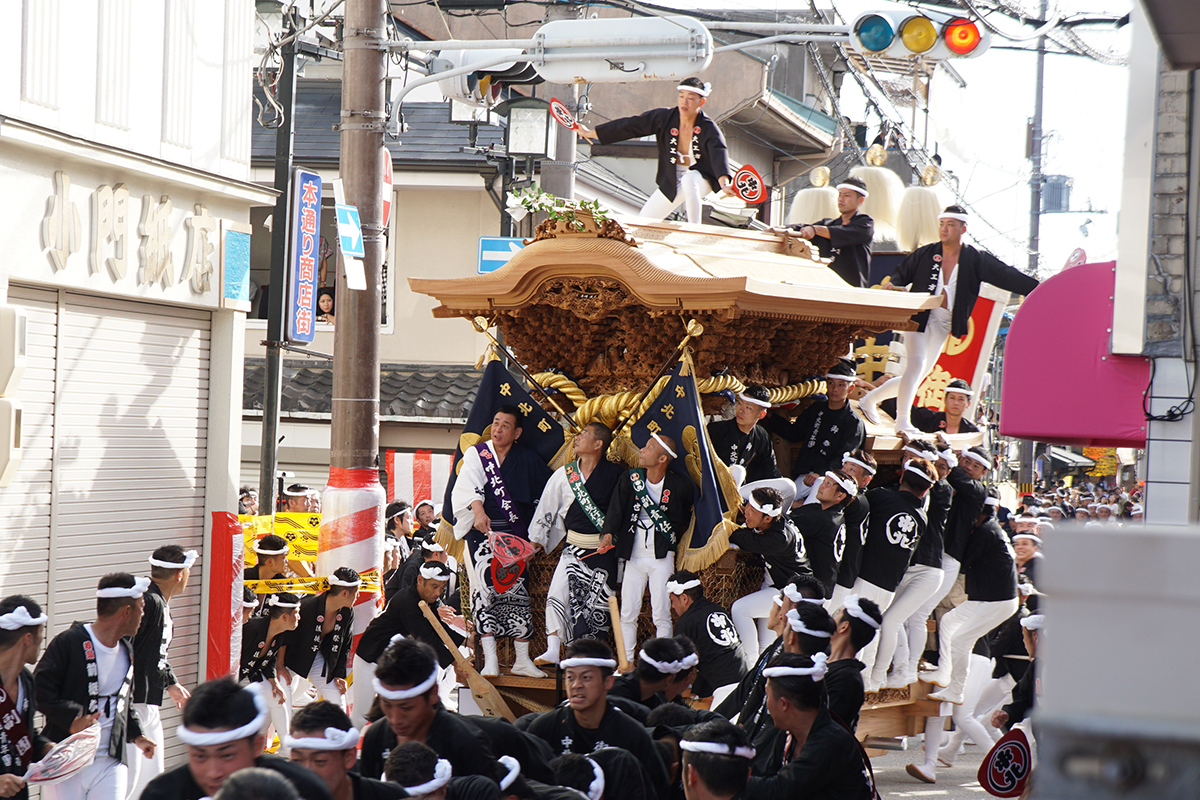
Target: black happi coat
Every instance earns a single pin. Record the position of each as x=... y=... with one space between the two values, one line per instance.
x=780 y=545
x=929 y=549
x=854 y=515
x=177 y=783
x=525 y=477
x=622 y=517
x=507 y=739
x=930 y=421
x=751 y=450
x=717 y=645
x=708 y=146
x=1024 y=696
x=844 y=683
x=964 y=510
x=559 y=729
x=629 y=687
x=825 y=435
x=747 y=706
x=830 y=766
x=152 y=673
x=371 y=789
x=988 y=564
x=824 y=535
x=403 y=615
x=453 y=737
x=306 y=641
x=61 y=688
x=850 y=246
x=895 y=525
x=7 y=748
x=919 y=271
x=256 y=667
x=601 y=485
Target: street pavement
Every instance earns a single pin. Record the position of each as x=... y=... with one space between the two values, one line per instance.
x=958 y=783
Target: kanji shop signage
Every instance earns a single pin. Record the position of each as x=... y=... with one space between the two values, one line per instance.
x=305 y=223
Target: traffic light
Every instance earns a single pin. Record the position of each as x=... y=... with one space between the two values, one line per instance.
x=907 y=35
x=482 y=87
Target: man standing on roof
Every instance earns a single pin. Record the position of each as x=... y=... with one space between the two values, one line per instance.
x=691 y=151
x=847 y=238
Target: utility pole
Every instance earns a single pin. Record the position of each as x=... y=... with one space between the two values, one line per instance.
x=352 y=505
x=558 y=176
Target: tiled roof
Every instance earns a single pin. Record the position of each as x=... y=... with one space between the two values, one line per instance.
x=405 y=390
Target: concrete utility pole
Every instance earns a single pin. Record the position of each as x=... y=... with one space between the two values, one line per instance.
x=352 y=506
x=558 y=175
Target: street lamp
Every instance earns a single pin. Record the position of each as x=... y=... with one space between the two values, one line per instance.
x=528 y=133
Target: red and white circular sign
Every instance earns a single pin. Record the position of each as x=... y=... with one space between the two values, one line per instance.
x=562 y=114
x=748 y=185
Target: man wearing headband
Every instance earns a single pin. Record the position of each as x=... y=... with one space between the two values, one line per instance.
x=22 y=625
x=417 y=769
x=316 y=654
x=272 y=559
x=262 y=638
x=716 y=761
x=1027 y=548
x=896 y=523
x=323 y=741
x=708 y=626
x=957 y=397
x=406 y=680
x=660 y=662
x=223 y=729
x=847 y=237
x=952 y=271
x=573 y=505
x=298 y=499
x=769 y=533
x=248 y=501
x=826 y=430
x=741 y=441
x=822 y=759
x=858 y=622
x=86 y=676
x=497 y=490
x=590 y=720
x=648 y=517
x=822 y=526
x=692 y=157
x=170 y=568
x=861 y=467
x=407 y=574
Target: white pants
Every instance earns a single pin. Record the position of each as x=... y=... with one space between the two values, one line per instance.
x=959 y=630
x=103 y=779
x=921 y=351
x=883 y=599
x=639 y=572
x=141 y=769
x=691 y=187
x=750 y=618
x=919 y=583
x=837 y=599
x=911 y=644
x=362 y=691
x=968 y=718
x=326 y=689
x=281 y=714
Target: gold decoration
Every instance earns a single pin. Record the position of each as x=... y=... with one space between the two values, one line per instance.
x=468 y=440
x=932 y=392
x=954 y=345
x=876 y=156
x=819 y=177
x=691 y=446
x=569 y=388
x=931 y=175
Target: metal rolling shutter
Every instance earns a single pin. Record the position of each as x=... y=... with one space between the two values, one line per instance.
x=132 y=423
x=25 y=503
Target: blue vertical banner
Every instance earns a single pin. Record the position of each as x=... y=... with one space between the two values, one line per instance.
x=305 y=239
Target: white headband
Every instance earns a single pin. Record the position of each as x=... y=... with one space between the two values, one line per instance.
x=604 y=663
x=991 y=501
x=963 y=218
x=849 y=459
x=769 y=510
x=434 y=573
x=794 y=595
x=1035 y=539
x=290 y=493
x=249 y=604
x=793 y=618
x=423 y=503
x=674 y=587
x=442 y=774
x=251 y=728
x=1034 y=622
x=957 y=390
x=753 y=400
x=949 y=457
x=920 y=473
x=258 y=548
x=19 y=618
x=189 y=558
x=335 y=739
x=778 y=600
x=274 y=600
x=853 y=188
x=659 y=439
x=671 y=667
x=1026 y=589
x=514 y=769
x=816 y=671
x=596 y=788
x=971 y=454
x=717 y=749
x=850 y=604
x=433 y=547
x=703 y=91
x=917 y=453
x=849 y=487
x=408 y=694
x=334 y=581
x=833 y=376
x=140 y=585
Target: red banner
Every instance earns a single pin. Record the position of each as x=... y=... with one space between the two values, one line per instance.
x=225 y=566
x=959 y=359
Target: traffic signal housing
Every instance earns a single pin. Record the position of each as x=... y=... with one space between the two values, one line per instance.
x=898 y=34
x=482 y=87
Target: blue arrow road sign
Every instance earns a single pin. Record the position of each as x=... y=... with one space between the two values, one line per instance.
x=495 y=251
x=350 y=232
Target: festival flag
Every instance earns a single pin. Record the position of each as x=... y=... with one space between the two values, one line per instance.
x=540 y=433
x=675 y=412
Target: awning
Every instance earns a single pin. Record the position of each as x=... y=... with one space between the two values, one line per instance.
x=1061 y=383
x=1069 y=459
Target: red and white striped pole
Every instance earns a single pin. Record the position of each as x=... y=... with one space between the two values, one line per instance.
x=352 y=533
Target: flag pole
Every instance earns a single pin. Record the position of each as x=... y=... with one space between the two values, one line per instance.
x=693 y=330
x=481 y=325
